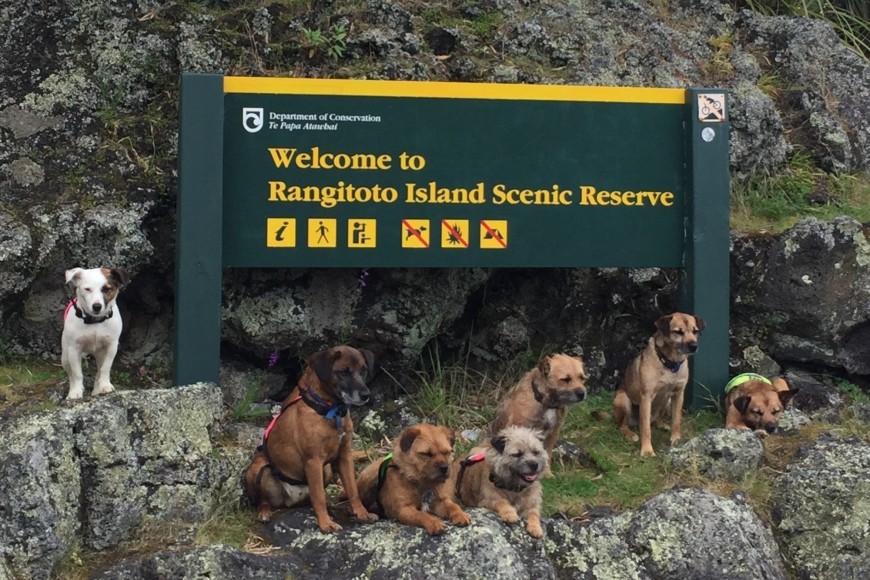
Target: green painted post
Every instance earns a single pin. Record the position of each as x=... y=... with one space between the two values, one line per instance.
x=705 y=289
x=199 y=230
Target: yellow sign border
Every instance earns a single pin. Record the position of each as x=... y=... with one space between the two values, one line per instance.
x=448 y=90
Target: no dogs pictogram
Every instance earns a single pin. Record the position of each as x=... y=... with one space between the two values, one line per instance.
x=415 y=233
x=711 y=107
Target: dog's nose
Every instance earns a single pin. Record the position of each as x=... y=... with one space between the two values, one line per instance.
x=770 y=427
x=96 y=307
x=442 y=468
x=532 y=465
x=693 y=346
x=580 y=395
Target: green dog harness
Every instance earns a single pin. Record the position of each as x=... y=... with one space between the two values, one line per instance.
x=740 y=379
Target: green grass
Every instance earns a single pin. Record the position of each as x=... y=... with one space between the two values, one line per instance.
x=619 y=478
x=775 y=202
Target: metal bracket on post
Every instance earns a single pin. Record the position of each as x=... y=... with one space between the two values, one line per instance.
x=199 y=230
x=705 y=289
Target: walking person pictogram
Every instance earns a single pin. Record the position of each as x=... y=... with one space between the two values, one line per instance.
x=322 y=230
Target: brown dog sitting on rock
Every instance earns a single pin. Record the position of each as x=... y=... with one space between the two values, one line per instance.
x=754 y=402
x=414 y=474
x=312 y=433
x=541 y=397
x=656 y=379
x=504 y=476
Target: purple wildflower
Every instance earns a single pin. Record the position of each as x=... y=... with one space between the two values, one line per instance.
x=361 y=279
x=273 y=358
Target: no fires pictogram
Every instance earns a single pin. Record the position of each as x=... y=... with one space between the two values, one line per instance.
x=454 y=234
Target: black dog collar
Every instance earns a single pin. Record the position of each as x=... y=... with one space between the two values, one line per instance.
x=502 y=485
x=87 y=318
x=673 y=366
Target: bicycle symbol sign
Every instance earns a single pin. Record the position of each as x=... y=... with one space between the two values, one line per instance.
x=711 y=107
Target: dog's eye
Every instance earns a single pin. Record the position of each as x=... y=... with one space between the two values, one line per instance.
x=106 y=289
x=427 y=454
x=776 y=411
x=517 y=455
x=679 y=332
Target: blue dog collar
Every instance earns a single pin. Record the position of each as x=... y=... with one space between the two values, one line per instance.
x=745 y=377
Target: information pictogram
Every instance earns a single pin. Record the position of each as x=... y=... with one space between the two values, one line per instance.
x=281 y=232
x=415 y=233
x=454 y=234
x=322 y=232
x=493 y=234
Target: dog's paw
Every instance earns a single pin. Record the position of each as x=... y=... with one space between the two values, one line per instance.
x=535 y=530
x=675 y=437
x=71 y=396
x=647 y=452
x=104 y=389
x=365 y=516
x=761 y=433
x=460 y=518
x=433 y=526
x=328 y=526
x=509 y=515
x=264 y=515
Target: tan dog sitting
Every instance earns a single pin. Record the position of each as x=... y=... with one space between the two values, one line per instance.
x=313 y=432
x=505 y=476
x=540 y=399
x=413 y=474
x=754 y=402
x=656 y=379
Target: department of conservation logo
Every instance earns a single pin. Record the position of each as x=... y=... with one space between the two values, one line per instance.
x=252 y=119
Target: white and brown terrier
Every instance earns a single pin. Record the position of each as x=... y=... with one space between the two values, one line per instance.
x=92 y=325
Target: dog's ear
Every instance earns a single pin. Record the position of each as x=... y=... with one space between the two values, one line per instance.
x=73 y=276
x=544 y=366
x=499 y=442
x=322 y=362
x=119 y=276
x=369 y=357
x=785 y=397
x=451 y=436
x=701 y=324
x=741 y=403
x=663 y=324
x=408 y=437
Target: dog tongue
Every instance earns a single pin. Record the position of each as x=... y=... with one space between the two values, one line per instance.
x=530 y=476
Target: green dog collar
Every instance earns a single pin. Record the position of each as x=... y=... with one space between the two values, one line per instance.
x=740 y=379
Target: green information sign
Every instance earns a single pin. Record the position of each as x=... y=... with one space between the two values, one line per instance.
x=345 y=173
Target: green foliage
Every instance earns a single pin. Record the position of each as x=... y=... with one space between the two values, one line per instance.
x=719 y=67
x=242 y=410
x=775 y=202
x=850 y=18
x=329 y=44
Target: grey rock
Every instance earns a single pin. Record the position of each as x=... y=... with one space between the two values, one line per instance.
x=88 y=473
x=719 y=454
x=821 y=512
x=387 y=550
x=680 y=534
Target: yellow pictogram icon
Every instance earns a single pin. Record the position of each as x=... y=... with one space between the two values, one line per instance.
x=493 y=234
x=454 y=234
x=415 y=233
x=322 y=232
x=362 y=233
x=281 y=232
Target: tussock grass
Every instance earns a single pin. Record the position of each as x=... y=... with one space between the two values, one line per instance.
x=775 y=202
